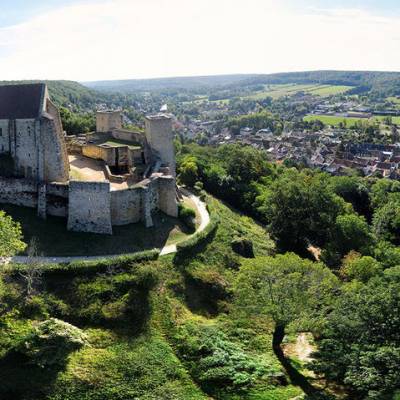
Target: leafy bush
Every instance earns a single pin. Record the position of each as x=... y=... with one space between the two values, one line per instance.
x=113 y=299
x=360 y=268
x=50 y=342
x=243 y=247
x=10 y=236
x=187 y=215
x=187 y=247
x=214 y=361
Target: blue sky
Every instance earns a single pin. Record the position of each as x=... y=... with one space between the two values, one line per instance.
x=122 y=39
x=16 y=11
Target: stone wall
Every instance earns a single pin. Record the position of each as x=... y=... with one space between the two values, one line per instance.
x=126 y=206
x=24 y=192
x=20 y=192
x=122 y=134
x=167 y=202
x=4 y=136
x=57 y=199
x=106 y=154
x=53 y=151
x=24 y=139
x=56 y=142
x=106 y=121
x=89 y=207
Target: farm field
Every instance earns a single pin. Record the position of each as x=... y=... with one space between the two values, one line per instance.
x=349 y=121
x=277 y=91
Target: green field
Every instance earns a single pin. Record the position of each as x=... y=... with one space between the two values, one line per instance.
x=349 y=121
x=277 y=91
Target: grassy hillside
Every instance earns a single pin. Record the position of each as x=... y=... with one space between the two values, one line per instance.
x=162 y=330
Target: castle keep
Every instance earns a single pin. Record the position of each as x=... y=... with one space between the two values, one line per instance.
x=109 y=177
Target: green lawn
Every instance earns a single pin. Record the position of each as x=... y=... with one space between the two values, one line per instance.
x=350 y=121
x=55 y=240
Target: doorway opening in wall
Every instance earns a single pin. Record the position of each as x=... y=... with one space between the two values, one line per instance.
x=119 y=169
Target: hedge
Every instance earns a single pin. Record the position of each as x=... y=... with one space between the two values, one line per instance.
x=199 y=238
x=94 y=266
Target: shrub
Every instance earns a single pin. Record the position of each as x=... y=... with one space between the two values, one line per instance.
x=187 y=215
x=50 y=342
x=187 y=247
x=243 y=247
x=360 y=268
x=214 y=361
x=124 y=262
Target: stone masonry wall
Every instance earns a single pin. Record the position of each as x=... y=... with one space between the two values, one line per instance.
x=129 y=136
x=20 y=192
x=4 y=136
x=53 y=151
x=107 y=121
x=106 y=154
x=167 y=202
x=89 y=207
x=24 y=144
x=126 y=206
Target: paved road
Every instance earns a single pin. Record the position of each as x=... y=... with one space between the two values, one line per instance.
x=204 y=221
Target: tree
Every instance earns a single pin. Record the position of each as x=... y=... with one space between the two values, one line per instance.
x=301 y=210
x=360 y=344
x=287 y=289
x=386 y=221
x=351 y=232
x=32 y=272
x=353 y=190
x=10 y=236
x=382 y=191
x=361 y=268
x=188 y=171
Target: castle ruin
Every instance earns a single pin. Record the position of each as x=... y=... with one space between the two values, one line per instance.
x=109 y=177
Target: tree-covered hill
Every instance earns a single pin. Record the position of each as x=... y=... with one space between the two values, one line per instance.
x=67 y=93
x=387 y=82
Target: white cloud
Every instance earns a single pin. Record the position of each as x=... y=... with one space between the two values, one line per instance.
x=150 y=38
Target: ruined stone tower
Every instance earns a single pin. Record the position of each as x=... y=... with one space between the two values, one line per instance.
x=159 y=136
x=106 y=121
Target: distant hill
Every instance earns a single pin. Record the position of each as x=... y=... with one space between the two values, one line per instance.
x=188 y=82
x=363 y=81
x=67 y=93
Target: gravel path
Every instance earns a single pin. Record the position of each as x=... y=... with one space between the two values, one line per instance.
x=169 y=249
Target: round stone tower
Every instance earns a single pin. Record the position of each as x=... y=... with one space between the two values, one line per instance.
x=160 y=138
